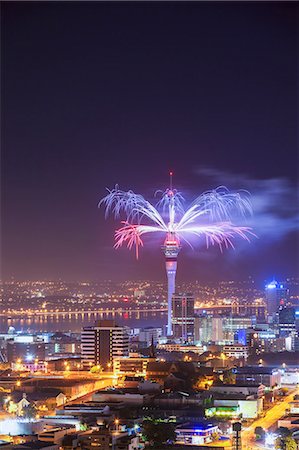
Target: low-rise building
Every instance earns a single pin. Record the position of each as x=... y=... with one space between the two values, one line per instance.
x=159 y=370
x=237 y=351
x=127 y=396
x=199 y=433
x=268 y=376
x=288 y=422
x=131 y=365
x=239 y=388
x=106 y=439
x=149 y=335
x=54 y=435
x=290 y=376
x=236 y=406
x=36 y=445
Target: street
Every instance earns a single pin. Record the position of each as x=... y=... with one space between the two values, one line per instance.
x=271 y=417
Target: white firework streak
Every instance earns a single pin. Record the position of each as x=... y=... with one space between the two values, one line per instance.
x=217 y=206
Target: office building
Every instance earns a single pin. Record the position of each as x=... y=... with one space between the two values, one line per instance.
x=102 y=343
x=257 y=375
x=222 y=330
x=237 y=351
x=183 y=317
x=149 y=335
x=276 y=295
x=25 y=351
x=286 y=320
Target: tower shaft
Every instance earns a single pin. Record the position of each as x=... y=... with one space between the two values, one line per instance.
x=171 y=266
x=171 y=250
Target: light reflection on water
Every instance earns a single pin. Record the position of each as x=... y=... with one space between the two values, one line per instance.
x=75 y=321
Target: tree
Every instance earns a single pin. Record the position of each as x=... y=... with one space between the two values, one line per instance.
x=285 y=443
x=259 y=433
x=229 y=377
x=156 y=432
x=29 y=412
x=284 y=440
x=96 y=369
x=215 y=436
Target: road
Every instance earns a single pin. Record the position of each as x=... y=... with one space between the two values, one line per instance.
x=270 y=419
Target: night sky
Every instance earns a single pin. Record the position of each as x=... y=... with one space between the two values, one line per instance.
x=95 y=94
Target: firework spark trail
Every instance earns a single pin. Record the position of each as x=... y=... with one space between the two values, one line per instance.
x=216 y=206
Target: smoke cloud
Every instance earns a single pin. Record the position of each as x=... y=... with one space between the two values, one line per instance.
x=274 y=202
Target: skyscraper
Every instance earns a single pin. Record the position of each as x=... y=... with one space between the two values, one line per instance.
x=183 y=317
x=276 y=295
x=102 y=343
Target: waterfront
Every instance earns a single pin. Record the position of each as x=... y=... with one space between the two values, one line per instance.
x=73 y=322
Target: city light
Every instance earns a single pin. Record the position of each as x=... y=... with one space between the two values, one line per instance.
x=270 y=440
x=99 y=350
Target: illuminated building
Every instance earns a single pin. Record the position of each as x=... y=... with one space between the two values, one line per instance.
x=63 y=344
x=223 y=330
x=208 y=329
x=131 y=365
x=195 y=433
x=235 y=405
x=236 y=351
x=286 y=320
x=26 y=351
x=183 y=317
x=149 y=335
x=102 y=343
x=258 y=375
x=276 y=295
x=264 y=341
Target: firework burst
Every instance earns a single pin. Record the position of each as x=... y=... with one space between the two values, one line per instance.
x=208 y=217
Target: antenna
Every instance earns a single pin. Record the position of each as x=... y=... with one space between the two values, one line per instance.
x=170 y=180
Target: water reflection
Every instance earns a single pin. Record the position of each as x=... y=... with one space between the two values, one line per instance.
x=75 y=321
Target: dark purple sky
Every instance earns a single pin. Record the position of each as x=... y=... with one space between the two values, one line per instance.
x=95 y=94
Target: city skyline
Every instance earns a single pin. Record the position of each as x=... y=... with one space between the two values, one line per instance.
x=138 y=137
x=93 y=108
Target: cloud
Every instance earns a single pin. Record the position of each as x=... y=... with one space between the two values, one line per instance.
x=274 y=201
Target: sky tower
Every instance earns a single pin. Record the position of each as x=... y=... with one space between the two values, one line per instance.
x=171 y=250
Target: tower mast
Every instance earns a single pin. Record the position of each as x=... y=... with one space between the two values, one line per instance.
x=171 y=250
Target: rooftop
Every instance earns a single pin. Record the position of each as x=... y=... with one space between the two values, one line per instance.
x=34 y=445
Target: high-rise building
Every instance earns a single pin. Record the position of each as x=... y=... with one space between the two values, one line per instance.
x=183 y=317
x=222 y=330
x=276 y=295
x=102 y=343
x=286 y=320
